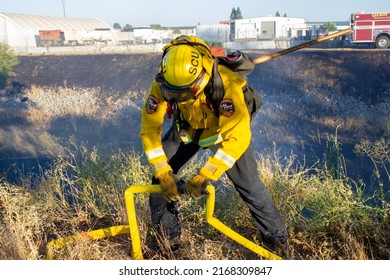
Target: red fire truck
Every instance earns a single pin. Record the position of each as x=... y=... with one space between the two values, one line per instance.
x=371 y=28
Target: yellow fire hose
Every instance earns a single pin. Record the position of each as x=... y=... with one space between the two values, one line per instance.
x=133 y=229
x=90 y=235
x=210 y=203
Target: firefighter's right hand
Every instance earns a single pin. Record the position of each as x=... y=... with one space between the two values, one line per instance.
x=168 y=183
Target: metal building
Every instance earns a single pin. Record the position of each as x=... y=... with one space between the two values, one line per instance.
x=23 y=31
x=213 y=33
x=269 y=28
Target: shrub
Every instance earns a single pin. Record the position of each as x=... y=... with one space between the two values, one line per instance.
x=7 y=61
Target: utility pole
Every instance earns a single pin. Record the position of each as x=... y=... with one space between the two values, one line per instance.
x=63 y=6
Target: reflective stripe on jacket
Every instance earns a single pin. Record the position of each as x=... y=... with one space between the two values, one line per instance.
x=231 y=129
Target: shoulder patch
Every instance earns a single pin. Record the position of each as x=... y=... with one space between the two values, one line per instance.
x=151 y=105
x=226 y=108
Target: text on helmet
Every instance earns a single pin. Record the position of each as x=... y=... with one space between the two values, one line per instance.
x=194 y=62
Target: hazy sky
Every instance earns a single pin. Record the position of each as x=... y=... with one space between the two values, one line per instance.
x=187 y=13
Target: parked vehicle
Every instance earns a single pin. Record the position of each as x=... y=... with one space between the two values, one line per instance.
x=371 y=28
x=55 y=38
x=49 y=38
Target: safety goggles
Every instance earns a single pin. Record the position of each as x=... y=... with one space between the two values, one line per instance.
x=179 y=94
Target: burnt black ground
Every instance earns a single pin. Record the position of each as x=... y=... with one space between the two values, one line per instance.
x=306 y=94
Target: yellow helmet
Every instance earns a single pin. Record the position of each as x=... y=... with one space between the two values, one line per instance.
x=182 y=74
x=181 y=65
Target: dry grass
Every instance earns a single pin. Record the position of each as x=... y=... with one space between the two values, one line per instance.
x=43 y=105
x=327 y=218
x=28 y=142
x=41 y=124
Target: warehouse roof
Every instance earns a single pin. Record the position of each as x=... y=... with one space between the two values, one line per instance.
x=22 y=31
x=33 y=22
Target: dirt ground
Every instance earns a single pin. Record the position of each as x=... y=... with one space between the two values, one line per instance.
x=307 y=96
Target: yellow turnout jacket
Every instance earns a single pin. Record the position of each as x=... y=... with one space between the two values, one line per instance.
x=231 y=128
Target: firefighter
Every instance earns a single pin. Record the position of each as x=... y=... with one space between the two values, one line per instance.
x=185 y=71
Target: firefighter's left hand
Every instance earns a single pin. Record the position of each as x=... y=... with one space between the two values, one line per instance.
x=196 y=186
